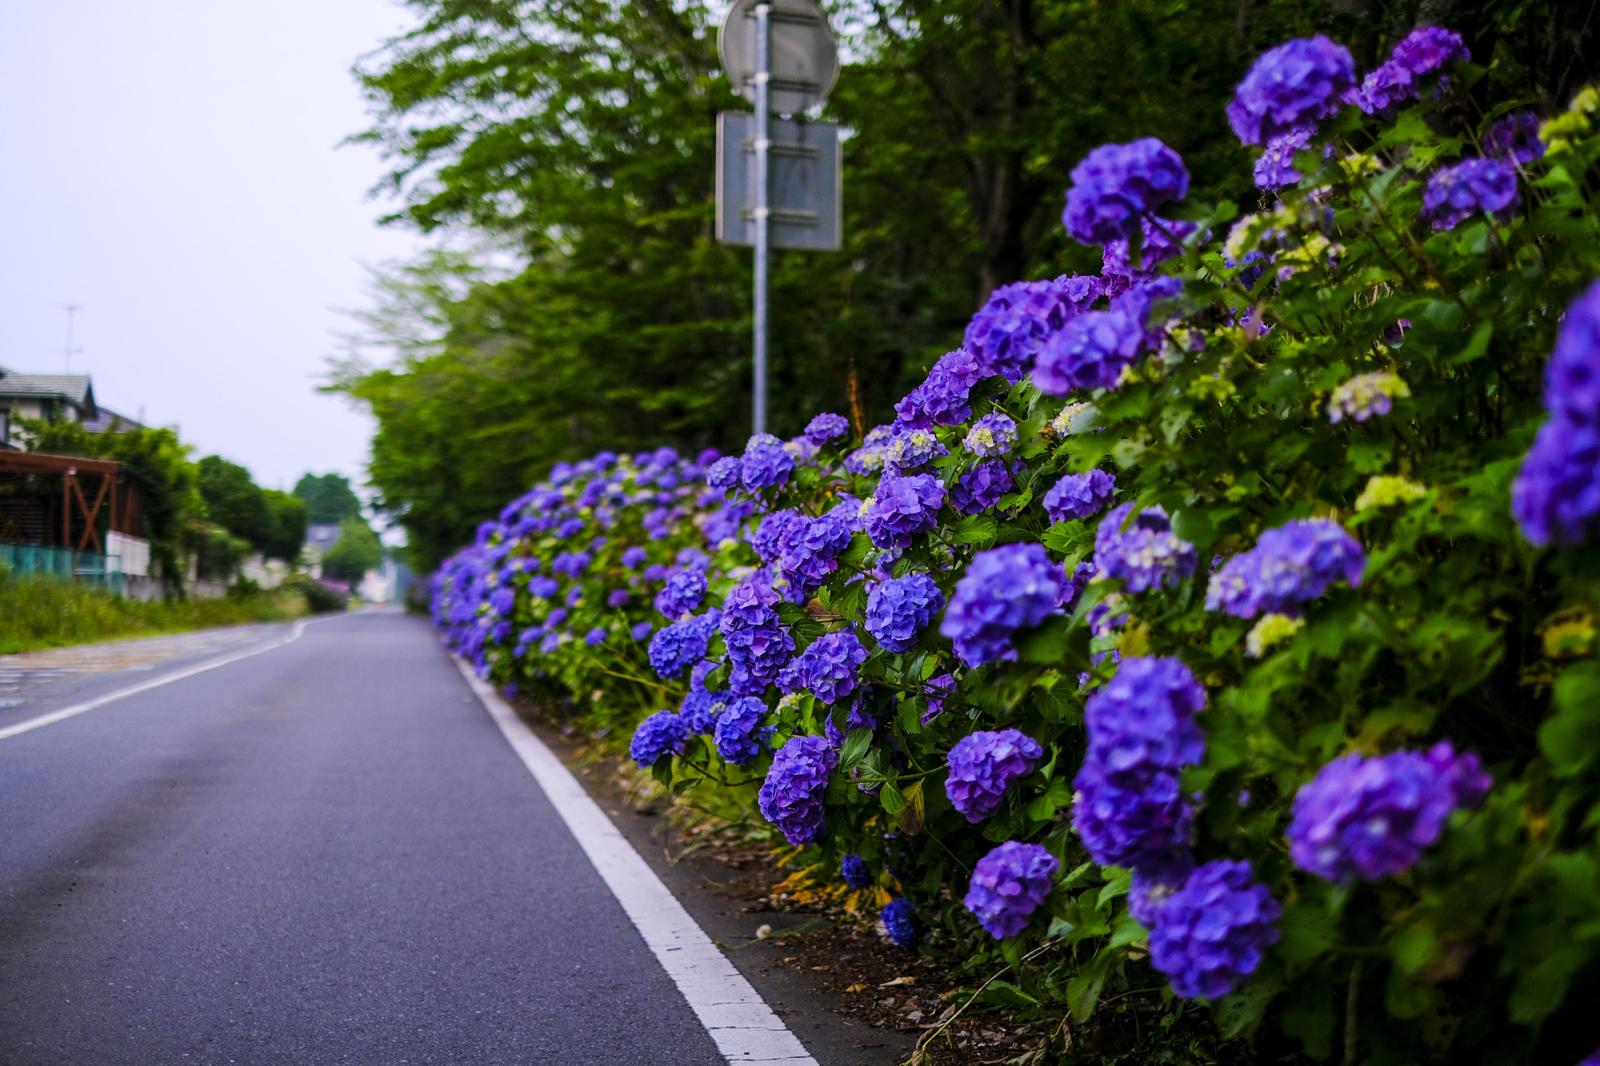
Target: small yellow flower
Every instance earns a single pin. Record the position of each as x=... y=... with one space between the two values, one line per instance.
x=1271 y=630
x=1386 y=490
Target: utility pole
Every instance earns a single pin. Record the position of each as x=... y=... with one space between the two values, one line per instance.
x=763 y=211
x=72 y=310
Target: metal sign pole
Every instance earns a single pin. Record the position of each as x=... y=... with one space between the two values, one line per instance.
x=762 y=211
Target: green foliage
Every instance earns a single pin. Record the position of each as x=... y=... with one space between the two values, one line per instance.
x=328 y=498
x=287 y=519
x=319 y=598
x=234 y=501
x=355 y=552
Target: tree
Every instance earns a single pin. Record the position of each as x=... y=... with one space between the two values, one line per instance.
x=234 y=501
x=287 y=521
x=328 y=498
x=355 y=552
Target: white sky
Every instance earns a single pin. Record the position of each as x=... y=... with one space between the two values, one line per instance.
x=172 y=166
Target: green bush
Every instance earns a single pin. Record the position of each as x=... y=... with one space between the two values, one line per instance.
x=319 y=598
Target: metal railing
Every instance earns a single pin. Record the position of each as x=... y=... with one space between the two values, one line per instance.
x=91 y=567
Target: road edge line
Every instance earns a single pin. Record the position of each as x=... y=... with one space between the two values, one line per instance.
x=734 y=1015
x=61 y=715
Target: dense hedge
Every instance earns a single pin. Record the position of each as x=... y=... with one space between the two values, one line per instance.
x=1261 y=672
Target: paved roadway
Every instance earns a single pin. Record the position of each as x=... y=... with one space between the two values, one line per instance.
x=324 y=853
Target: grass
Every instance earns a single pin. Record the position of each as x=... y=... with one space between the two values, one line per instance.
x=40 y=612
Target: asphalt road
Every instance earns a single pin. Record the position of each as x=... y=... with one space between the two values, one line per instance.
x=325 y=853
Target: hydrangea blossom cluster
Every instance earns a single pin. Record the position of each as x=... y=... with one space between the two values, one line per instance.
x=700 y=710
x=1116 y=185
x=993 y=434
x=899 y=609
x=1422 y=53
x=1556 y=496
x=980 y=488
x=899 y=919
x=1121 y=267
x=766 y=463
x=758 y=644
x=1456 y=193
x=853 y=870
x=911 y=448
x=983 y=765
x=1008 y=885
x=1090 y=352
x=1006 y=332
x=682 y=594
x=791 y=795
x=1130 y=809
x=1288 y=568
x=945 y=396
x=1514 y=139
x=1210 y=934
x=1371 y=818
x=658 y=735
x=1003 y=590
x=739 y=736
x=830 y=667
x=1274 y=168
x=1291 y=87
x=1143 y=554
x=825 y=428
x=901 y=509
x=808 y=549
x=676 y=648
x=1366 y=395
x=1079 y=496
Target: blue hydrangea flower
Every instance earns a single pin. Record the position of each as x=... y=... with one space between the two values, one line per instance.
x=657 y=735
x=618 y=597
x=791 y=795
x=1294 y=85
x=911 y=448
x=830 y=667
x=1003 y=590
x=937 y=690
x=1145 y=555
x=634 y=557
x=901 y=509
x=944 y=397
x=679 y=646
x=759 y=646
x=1556 y=496
x=1008 y=885
x=1162 y=240
x=1372 y=818
x=641 y=630
x=1089 y=352
x=724 y=473
x=1116 y=185
x=1274 y=168
x=1423 y=52
x=1288 y=568
x=739 y=734
x=855 y=872
x=901 y=608
x=899 y=919
x=1461 y=773
x=826 y=427
x=1211 y=933
x=767 y=540
x=1079 y=496
x=1456 y=193
x=1138 y=826
x=1006 y=332
x=765 y=463
x=993 y=434
x=980 y=488
x=809 y=550
x=1514 y=139
x=682 y=595
x=983 y=766
x=1572 y=374
x=1154 y=885
x=595 y=636
x=700 y=709
x=1143 y=718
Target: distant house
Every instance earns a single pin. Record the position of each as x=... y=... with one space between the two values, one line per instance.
x=46 y=397
x=320 y=536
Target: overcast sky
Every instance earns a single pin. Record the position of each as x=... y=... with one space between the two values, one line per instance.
x=172 y=165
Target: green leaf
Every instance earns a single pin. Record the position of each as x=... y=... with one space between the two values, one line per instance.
x=854 y=749
x=1570 y=738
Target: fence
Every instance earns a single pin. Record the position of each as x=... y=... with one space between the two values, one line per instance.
x=92 y=567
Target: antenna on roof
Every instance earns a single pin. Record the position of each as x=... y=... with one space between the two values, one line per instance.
x=72 y=310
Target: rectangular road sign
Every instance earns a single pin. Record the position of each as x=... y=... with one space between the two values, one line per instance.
x=805 y=195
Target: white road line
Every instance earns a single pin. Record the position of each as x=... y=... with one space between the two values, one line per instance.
x=744 y=1028
x=166 y=679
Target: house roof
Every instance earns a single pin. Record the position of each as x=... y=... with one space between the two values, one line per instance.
x=72 y=387
x=104 y=418
x=322 y=535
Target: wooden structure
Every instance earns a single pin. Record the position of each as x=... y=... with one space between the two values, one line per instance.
x=66 y=501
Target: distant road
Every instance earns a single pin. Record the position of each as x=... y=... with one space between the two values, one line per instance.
x=322 y=853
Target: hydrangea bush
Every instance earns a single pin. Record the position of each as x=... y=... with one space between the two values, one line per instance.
x=1218 y=627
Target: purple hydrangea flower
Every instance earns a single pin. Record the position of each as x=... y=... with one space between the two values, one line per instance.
x=758 y=644
x=700 y=709
x=634 y=557
x=830 y=667
x=937 y=690
x=1371 y=818
x=683 y=592
x=618 y=597
x=595 y=636
x=1162 y=240
x=1146 y=555
x=1211 y=933
x=1004 y=589
x=1572 y=374
x=1556 y=496
x=1143 y=718
x=1274 y=168
x=679 y=646
x=983 y=765
x=809 y=550
x=1008 y=885
x=1514 y=139
x=1294 y=85
x=944 y=397
x=641 y=630
x=1456 y=193
x=1463 y=774
x=826 y=427
x=1116 y=185
x=765 y=463
x=900 y=922
x=911 y=448
x=1154 y=885
x=1423 y=52
x=901 y=509
x=993 y=434
x=1089 y=352
x=723 y=474
x=657 y=735
x=855 y=873
x=1006 y=332
x=901 y=608
x=1288 y=568
x=1079 y=496
x=980 y=488
x=739 y=735
x=791 y=795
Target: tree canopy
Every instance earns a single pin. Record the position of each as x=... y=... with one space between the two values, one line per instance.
x=355 y=552
x=328 y=498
